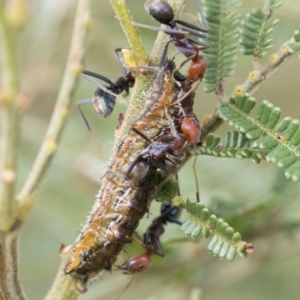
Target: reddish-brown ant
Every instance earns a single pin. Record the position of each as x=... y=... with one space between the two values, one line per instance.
x=162 y=12
x=155 y=153
x=151 y=243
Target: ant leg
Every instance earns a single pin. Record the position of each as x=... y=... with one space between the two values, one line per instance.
x=119 y=59
x=140 y=134
x=163 y=57
x=194 y=87
x=79 y=104
x=95 y=75
x=192 y=26
x=171 y=125
x=185 y=61
x=132 y=165
x=172 y=162
x=170 y=213
x=203 y=45
x=165 y=51
x=166 y=30
x=192 y=32
x=150 y=68
x=202 y=16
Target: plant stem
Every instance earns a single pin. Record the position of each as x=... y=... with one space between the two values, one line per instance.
x=131 y=32
x=64 y=287
x=10 y=286
x=258 y=76
x=10 y=118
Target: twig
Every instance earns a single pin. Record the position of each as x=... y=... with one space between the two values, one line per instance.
x=255 y=79
x=26 y=197
x=131 y=32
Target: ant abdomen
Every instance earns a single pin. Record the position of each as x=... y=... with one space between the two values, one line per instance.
x=197 y=69
x=103 y=102
x=136 y=264
x=191 y=127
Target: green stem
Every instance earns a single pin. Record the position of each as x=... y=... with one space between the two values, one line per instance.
x=10 y=118
x=258 y=76
x=64 y=287
x=131 y=32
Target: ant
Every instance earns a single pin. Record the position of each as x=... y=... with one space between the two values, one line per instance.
x=162 y=12
x=168 y=213
x=155 y=153
x=104 y=97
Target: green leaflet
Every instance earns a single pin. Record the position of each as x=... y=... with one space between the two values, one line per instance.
x=256 y=29
x=226 y=243
x=168 y=191
x=279 y=142
x=235 y=144
x=222 y=40
x=294 y=47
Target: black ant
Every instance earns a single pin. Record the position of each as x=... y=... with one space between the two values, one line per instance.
x=104 y=97
x=168 y=213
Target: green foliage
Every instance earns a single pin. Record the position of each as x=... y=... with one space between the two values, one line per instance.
x=280 y=140
x=168 y=191
x=226 y=243
x=295 y=47
x=256 y=29
x=235 y=144
x=222 y=40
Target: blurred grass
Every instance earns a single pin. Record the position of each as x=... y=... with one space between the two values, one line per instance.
x=67 y=195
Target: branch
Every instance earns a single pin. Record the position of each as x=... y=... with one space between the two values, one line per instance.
x=10 y=119
x=255 y=79
x=258 y=76
x=10 y=286
x=26 y=197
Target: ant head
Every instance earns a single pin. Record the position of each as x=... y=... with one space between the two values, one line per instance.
x=197 y=68
x=160 y=10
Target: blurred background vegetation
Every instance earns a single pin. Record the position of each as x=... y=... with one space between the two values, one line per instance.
x=256 y=199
